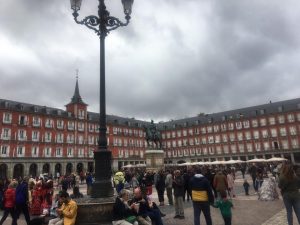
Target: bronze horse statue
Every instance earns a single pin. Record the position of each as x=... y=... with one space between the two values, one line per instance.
x=153 y=136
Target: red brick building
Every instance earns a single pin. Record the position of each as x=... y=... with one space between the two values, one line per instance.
x=39 y=139
x=260 y=131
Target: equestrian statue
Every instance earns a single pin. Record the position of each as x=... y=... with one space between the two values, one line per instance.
x=153 y=136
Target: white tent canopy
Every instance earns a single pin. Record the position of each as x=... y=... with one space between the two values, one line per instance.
x=256 y=160
x=276 y=159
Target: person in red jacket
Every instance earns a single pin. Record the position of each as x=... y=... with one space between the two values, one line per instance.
x=9 y=205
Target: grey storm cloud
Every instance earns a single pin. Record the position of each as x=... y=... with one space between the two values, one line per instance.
x=174 y=59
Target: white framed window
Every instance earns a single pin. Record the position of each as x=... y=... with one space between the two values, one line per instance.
x=210 y=139
x=70 y=152
x=272 y=120
x=58 y=152
x=91 y=140
x=265 y=133
x=223 y=127
x=191 y=132
x=80 y=152
x=174 y=144
x=203 y=140
x=282 y=131
x=216 y=128
x=246 y=124
x=241 y=148
x=48 y=123
x=249 y=147
x=217 y=139
x=281 y=119
x=80 y=139
x=35 y=151
x=20 y=151
x=203 y=130
x=233 y=148
x=184 y=133
x=22 y=135
x=60 y=124
x=91 y=127
x=35 y=136
x=80 y=126
x=7 y=118
x=81 y=114
x=91 y=153
x=256 y=134
x=263 y=122
x=230 y=126
x=59 y=138
x=295 y=143
x=239 y=125
x=240 y=136
x=71 y=125
x=254 y=123
x=48 y=137
x=36 y=121
x=285 y=144
x=218 y=149
x=4 y=150
x=248 y=135
x=232 y=137
x=226 y=149
x=22 y=120
x=70 y=138
x=257 y=146
x=6 y=134
x=293 y=130
x=209 y=129
x=224 y=137
x=274 y=132
x=266 y=146
x=291 y=118
x=179 y=143
x=47 y=151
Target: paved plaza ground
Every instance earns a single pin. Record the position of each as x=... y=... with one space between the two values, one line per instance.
x=247 y=211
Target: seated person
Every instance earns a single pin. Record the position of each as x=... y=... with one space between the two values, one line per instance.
x=57 y=220
x=148 y=210
x=68 y=210
x=122 y=211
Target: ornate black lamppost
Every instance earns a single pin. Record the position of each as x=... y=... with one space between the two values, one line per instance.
x=102 y=25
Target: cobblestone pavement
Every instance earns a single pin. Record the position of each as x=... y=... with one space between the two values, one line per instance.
x=247 y=211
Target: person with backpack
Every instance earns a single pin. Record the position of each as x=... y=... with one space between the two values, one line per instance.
x=22 y=200
x=9 y=205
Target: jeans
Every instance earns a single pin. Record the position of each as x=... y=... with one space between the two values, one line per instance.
x=155 y=216
x=227 y=220
x=290 y=203
x=12 y=212
x=179 y=211
x=170 y=195
x=160 y=193
x=205 y=208
x=24 y=209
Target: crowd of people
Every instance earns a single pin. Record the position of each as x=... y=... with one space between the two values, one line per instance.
x=36 y=200
x=205 y=186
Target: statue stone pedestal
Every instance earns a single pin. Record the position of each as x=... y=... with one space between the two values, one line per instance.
x=154 y=159
x=94 y=211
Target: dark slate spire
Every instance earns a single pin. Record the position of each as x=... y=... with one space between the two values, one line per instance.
x=76 y=99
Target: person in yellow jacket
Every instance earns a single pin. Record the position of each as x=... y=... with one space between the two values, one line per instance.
x=68 y=209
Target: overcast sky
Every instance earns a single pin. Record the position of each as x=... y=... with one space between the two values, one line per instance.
x=175 y=59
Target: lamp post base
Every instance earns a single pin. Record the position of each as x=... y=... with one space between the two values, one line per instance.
x=102 y=187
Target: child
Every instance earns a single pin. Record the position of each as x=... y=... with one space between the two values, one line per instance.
x=246 y=187
x=225 y=206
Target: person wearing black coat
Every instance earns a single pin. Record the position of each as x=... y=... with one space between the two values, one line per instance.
x=121 y=209
x=178 y=186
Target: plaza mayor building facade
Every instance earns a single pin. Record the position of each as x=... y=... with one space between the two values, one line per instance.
x=40 y=139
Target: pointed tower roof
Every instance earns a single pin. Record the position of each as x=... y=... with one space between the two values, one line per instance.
x=76 y=99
